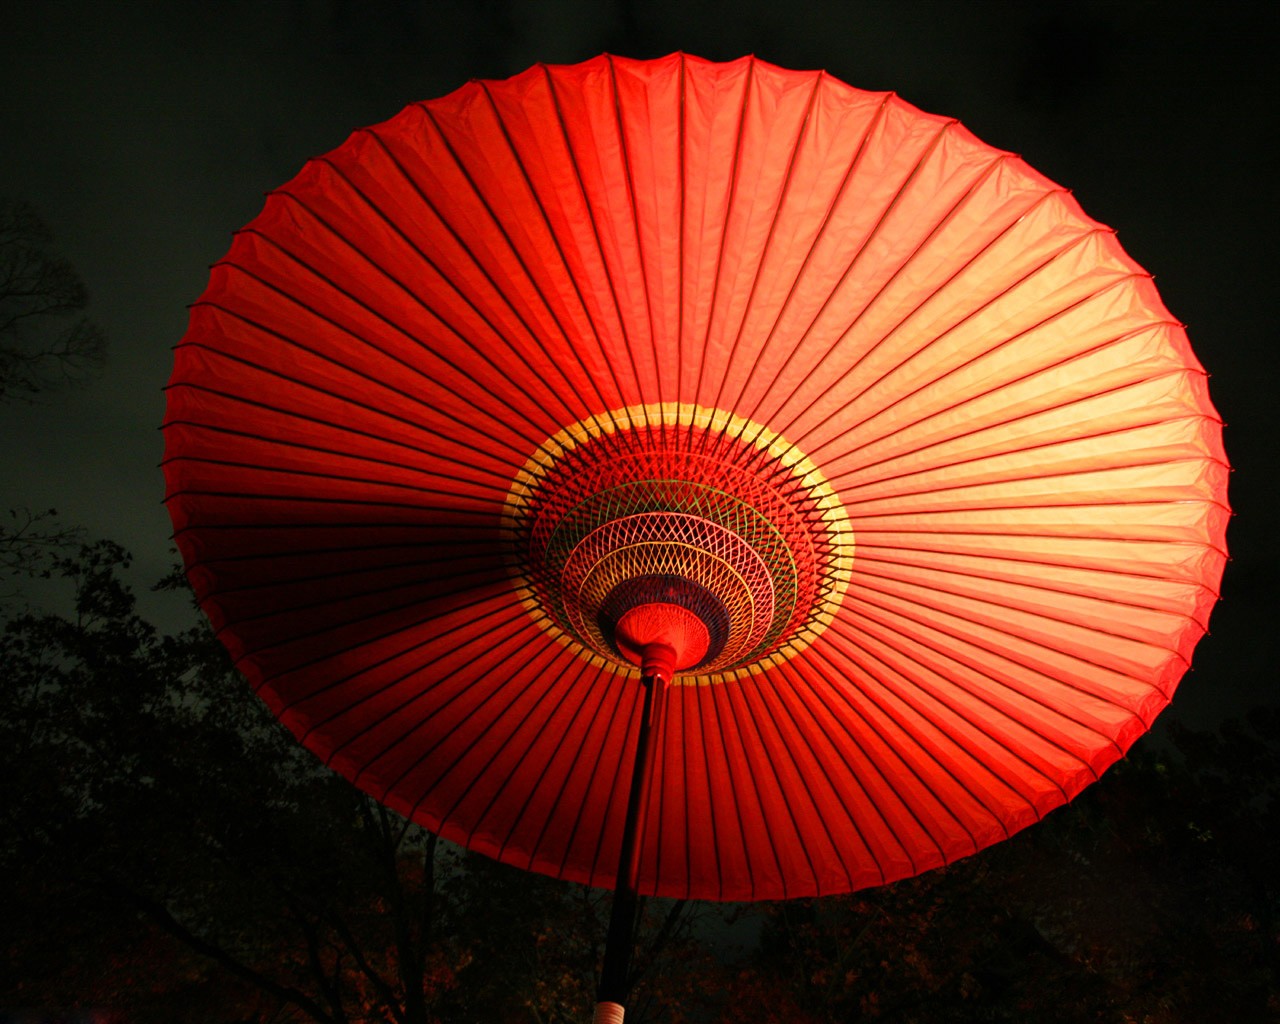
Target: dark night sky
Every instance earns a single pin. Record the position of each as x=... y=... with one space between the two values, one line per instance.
x=145 y=133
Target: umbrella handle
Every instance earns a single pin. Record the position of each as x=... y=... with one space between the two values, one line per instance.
x=622 y=912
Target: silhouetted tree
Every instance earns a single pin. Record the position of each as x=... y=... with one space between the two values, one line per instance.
x=45 y=341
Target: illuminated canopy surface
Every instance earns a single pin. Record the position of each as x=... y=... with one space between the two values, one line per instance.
x=898 y=446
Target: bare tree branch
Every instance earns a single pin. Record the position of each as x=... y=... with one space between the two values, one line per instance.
x=44 y=342
x=28 y=539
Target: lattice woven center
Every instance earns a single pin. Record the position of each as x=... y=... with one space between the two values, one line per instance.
x=682 y=507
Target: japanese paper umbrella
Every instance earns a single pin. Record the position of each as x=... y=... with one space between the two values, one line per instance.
x=838 y=450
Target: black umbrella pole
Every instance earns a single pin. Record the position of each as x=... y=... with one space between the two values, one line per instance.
x=612 y=994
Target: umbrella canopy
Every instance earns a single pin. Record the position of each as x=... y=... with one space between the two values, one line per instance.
x=890 y=454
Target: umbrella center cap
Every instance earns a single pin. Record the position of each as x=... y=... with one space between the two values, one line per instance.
x=669 y=611
x=681 y=529
x=661 y=638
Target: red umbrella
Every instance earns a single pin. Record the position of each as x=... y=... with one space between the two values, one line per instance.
x=836 y=449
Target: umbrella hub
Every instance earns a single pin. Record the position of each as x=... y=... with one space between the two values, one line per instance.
x=660 y=628
x=685 y=529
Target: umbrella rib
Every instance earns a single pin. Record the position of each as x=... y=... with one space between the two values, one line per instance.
x=562 y=739
x=1029 y=583
x=974 y=722
x=783 y=192
x=657 y=783
x=963 y=638
x=325 y=552
x=341 y=428
x=805 y=784
x=884 y=408
x=714 y=832
x=502 y=486
x=499 y=337
x=581 y=665
x=890 y=594
x=635 y=225
x=514 y=251
x=1041 y=536
x=406 y=365
x=752 y=688
x=863 y=245
x=680 y=224
x=464 y=556
x=1066 y=247
x=934 y=756
x=900 y=694
x=688 y=711
x=969 y=193
x=513 y=602
x=1007 y=423
x=265 y=370
x=513 y=693
x=334 y=684
x=1116 y=284
x=860 y=528
x=503 y=631
x=801 y=686
x=568 y=277
x=351 y=596
x=327 y=525
x=630 y=742
x=1023 y=447
x=938 y=289
x=737 y=802
x=864 y=544
x=885 y=752
x=1017 y=218
x=730 y=208
x=446 y=387
x=928 y=755
x=611 y=804
x=1148 y=503
x=961 y=201
x=421 y=727
x=595 y=230
x=1063 y=475
x=321 y=500
x=566 y=777
x=754 y=787
x=854 y=163
x=475 y=262
x=730 y=200
x=311 y=474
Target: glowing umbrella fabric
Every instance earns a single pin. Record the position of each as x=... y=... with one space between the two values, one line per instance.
x=896 y=450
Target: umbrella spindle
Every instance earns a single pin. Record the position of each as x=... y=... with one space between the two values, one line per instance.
x=620 y=938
